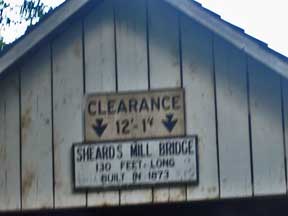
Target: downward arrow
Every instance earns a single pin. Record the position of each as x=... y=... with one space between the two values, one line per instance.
x=99 y=128
x=169 y=123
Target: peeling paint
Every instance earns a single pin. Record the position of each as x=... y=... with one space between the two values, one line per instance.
x=27 y=183
x=212 y=190
x=177 y=194
x=47 y=121
x=78 y=50
x=25 y=123
x=3 y=153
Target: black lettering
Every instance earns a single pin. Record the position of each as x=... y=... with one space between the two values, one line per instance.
x=122 y=164
x=100 y=111
x=144 y=105
x=165 y=103
x=91 y=108
x=155 y=103
x=79 y=155
x=133 y=105
x=119 y=152
x=122 y=107
x=134 y=150
x=111 y=108
x=190 y=147
x=161 y=149
x=98 y=154
x=89 y=153
x=162 y=163
x=136 y=176
x=108 y=152
x=111 y=153
x=175 y=148
x=175 y=102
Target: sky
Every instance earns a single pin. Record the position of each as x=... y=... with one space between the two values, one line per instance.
x=14 y=31
x=263 y=19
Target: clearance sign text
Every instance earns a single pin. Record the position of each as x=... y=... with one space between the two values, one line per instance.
x=134 y=115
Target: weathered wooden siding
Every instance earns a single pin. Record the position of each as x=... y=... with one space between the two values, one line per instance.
x=36 y=131
x=267 y=130
x=232 y=116
x=164 y=56
x=236 y=106
x=100 y=71
x=10 y=173
x=198 y=81
x=130 y=25
x=67 y=72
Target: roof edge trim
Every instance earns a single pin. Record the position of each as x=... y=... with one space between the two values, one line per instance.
x=187 y=7
x=40 y=33
x=236 y=38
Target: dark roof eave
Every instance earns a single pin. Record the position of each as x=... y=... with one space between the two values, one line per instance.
x=213 y=22
x=259 y=51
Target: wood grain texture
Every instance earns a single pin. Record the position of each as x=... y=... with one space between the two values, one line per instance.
x=100 y=72
x=132 y=66
x=117 y=59
x=36 y=131
x=267 y=133
x=10 y=143
x=164 y=69
x=67 y=109
x=284 y=85
x=198 y=81
x=233 y=125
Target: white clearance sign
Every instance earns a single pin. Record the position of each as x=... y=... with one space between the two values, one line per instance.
x=135 y=163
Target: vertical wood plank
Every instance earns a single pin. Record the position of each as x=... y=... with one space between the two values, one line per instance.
x=67 y=109
x=198 y=81
x=9 y=143
x=100 y=71
x=232 y=108
x=36 y=131
x=267 y=133
x=132 y=66
x=284 y=85
x=164 y=68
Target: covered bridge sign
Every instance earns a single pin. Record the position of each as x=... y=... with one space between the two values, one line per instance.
x=119 y=116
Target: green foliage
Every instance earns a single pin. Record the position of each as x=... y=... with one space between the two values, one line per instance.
x=2 y=44
x=3 y=6
x=30 y=11
x=33 y=10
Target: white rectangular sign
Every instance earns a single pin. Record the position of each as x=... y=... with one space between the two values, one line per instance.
x=135 y=163
x=134 y=115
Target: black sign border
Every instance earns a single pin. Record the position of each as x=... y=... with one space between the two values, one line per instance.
x=142 y=186
x=131 y=92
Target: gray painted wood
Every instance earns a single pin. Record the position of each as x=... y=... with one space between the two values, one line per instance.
x=186 y=7
x=267 y=134
x=132 y=66
x=164 y=69
x=197 y=54
x=100 y=72
x=67 y=110
x=233 y=125
x=9 y=143
x=36 y=131
x=284 y=85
